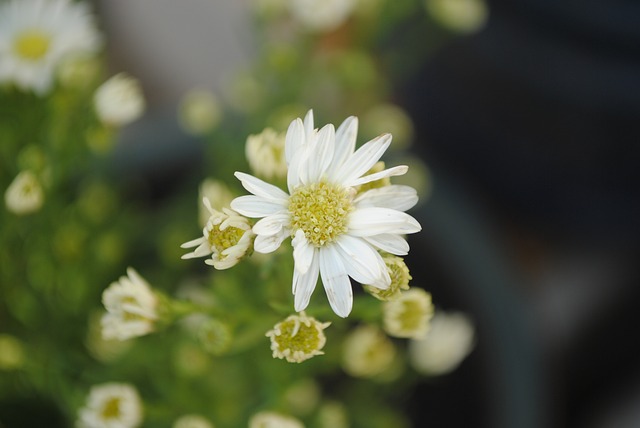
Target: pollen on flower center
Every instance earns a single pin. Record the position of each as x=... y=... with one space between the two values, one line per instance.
x=32 y=45
x=321 y=210
x=225 y=238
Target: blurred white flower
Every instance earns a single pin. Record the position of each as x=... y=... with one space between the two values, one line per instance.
x=192 y=421
x=104 y=350
x=303 y=396
x=408 y=316
x=36 y=35
x=131 y=308
x=323 y=15
x=464 y=16
x=227 y=237
x=449 y=340
x=24 y=195
x=389 y=118
x=367 y=352
x=333 y=414
x=119 y=100
x=336 y=232
x=298 y=338
x=199 y=112
x=12 y=352
x=79 y=72
x=111 y=405
x=265 y=153
x=267 y=419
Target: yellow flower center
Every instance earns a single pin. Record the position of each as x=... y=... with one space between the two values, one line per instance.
x=32 y=45
x=224 y=239
x=298 y=336
x=111 y=409
x=321 y=211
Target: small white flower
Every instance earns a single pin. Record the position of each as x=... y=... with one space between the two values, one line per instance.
x=227 y=237
x=131 y=308
x=449 y=340
x=119 y=100
x=408 y=316
x=267 y=419
x=36 y=35
x=24 y=195
x=199 y=112
x=192 y=421
x=111 y=405
x=367 y=352
x=265 y=153
x=336 y=231
x=323 y=15
x=298 y=338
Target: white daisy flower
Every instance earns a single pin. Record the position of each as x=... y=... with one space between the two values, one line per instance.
x=336 y=231
x=131 y=308
x=298 y=338
x=119 y=100
x=24 y=195
x=111 y=405
x=37 y=35
x=227 y=237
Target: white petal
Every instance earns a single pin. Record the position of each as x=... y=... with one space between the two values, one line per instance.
x=321 y=153
x=393 y=244
x=207 y=204
x=262 y=188
x=294 y=139
x=308 y=126
x=371 y=221
x=396 y=196
x=335 y=280
x=271 y=225
x=255 y=206
x=304 y=284
x=389 y=172
x=269 y=243
x=203 y=250
x=192 y=243
x=363 y=159
x=363 y=263
x=345 y=142
x=297 y=173
x=303 y=252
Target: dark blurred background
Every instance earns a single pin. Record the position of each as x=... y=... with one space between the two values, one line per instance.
x=530 y=129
